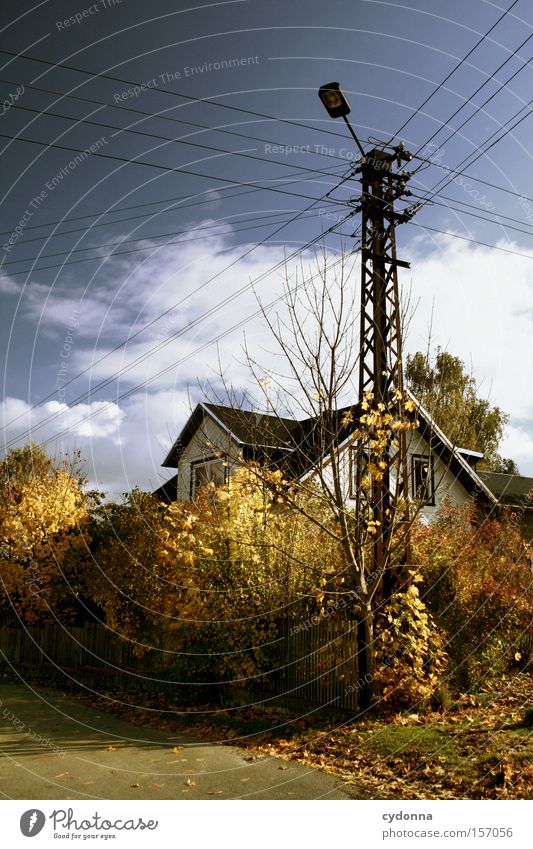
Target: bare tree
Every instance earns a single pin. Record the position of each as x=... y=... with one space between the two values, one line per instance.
x=310 y=425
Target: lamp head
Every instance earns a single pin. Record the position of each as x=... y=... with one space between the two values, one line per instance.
x=334 y=100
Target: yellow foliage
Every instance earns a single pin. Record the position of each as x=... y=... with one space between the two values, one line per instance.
x=43 y=523
x=410 y=655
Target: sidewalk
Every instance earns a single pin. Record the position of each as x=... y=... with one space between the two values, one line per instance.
x=56 y=748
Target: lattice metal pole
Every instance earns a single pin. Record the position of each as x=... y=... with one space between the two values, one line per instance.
x=380 y=352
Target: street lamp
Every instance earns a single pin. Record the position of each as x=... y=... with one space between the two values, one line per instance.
x=334 y=100
x=337 y=106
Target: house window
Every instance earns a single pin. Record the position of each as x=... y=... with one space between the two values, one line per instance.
x=210 y=470
x=423 y=484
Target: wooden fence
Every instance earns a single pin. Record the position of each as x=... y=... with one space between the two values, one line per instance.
x=314 y=662
x=318 y=663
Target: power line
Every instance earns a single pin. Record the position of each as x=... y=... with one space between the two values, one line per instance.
x=155 y=349
x=474 y=241
x=137 y=161
x=485 y=102
x=480 y=217
x=174 y=200
x=477 y=155
x=474 y=215
x=179 y=206
x=473 y=206
x=114 y=254
x=173 y=365
x=466 y=238
x=425 y=200
x=178 y=303
x=307 y=126
x=150 y=164
x=182 y=95
x=454 y=69
x=472 y=177
x=222 y=225
x=443 y=183
x=173 y=119
x=102 y=125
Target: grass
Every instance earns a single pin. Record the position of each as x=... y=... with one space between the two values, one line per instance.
x=408 y=740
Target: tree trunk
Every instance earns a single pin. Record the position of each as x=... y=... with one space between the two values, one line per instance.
x=365 y=655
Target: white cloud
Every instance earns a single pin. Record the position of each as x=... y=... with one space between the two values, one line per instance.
x=479 y=303
x=122 y=446
x=482 y=305
x=104 y=420
x=8 y=286
x=518 y=444
x=89 y=428
x=482 y=302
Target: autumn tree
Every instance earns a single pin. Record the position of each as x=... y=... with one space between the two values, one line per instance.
x=479 y=586
x=312 y=375
x=240 y=577
x=205 y=580
x=445 y=388
x=43 y=528
x=141 y=550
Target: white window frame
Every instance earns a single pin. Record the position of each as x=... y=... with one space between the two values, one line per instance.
x=207 y=463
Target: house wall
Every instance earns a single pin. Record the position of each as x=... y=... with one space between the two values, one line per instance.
x=445 y=483
x=209 y=439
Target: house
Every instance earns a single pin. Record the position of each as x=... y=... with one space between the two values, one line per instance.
x=216 y=439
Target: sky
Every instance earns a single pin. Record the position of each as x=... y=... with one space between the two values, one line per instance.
x=159 y=159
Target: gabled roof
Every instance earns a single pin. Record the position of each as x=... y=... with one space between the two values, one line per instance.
x=255 y=428
x=511 y=490
x=245 y=427
x=303 y=442
x=459 y=460
x=167 y=492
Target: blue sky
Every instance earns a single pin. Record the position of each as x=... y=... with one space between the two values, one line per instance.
x=268 y=58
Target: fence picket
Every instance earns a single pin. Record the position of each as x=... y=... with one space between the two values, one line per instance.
x=316 y=661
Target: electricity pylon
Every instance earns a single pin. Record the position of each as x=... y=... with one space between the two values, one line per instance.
x=380 y=346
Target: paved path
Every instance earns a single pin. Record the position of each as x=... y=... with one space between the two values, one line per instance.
x=57 y=748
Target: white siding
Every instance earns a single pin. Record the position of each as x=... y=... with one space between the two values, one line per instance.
x=209 y=439
x=446 y=484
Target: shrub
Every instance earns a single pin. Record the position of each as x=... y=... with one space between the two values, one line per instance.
x=478 y=585
x=410 y=656
x=44 y=512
